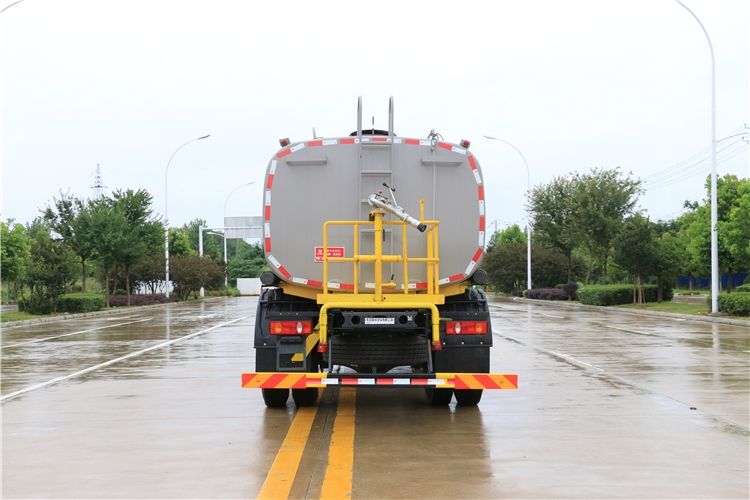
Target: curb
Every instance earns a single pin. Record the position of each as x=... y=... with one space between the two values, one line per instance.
x=577 y=305
x=63 y=317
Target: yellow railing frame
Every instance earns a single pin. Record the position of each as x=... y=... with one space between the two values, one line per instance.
x=427 y=299
x=432 y=259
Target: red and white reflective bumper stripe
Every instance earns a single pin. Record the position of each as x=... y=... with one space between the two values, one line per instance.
x=460 y=381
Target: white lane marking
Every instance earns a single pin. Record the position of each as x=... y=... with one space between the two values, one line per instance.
x=626 y=330
x=574 y=360
x=552 y=316
x=74 y=333
x=113 y=361
x=122 y=317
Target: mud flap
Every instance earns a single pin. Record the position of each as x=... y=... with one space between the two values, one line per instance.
x=462 y=359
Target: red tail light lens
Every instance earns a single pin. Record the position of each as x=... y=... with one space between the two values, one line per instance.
x=466 y=327
x=291 y=327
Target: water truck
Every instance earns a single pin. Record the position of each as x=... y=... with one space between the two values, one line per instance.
x=367 y=291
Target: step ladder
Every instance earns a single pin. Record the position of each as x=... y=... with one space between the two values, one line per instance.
x=375 y=168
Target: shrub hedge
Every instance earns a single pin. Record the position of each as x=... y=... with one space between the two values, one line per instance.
x=81 y=302
x=743 y=288
x=612 y=295
x=736 y=304
x=546 y=294
x=69 y=303
x=571 y=290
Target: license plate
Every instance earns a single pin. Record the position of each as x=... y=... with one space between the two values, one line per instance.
x=380 y=321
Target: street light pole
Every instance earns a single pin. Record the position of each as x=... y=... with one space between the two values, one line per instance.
x=714 y=197
x=226 y=272
x=528 y=215
x=166 y=211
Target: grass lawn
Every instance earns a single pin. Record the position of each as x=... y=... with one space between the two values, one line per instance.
x=671 y=307
x=18 y=316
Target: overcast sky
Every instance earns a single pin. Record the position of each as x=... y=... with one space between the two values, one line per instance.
x=574 y=85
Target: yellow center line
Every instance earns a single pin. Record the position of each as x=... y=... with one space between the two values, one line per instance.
x=279 y=480
x=338 y=479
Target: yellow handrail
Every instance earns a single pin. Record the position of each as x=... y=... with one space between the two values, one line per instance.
x=432 y=259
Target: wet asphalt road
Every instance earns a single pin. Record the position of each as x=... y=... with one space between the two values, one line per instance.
x=603 y=410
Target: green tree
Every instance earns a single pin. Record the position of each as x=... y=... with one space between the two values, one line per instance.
x=150 y=273
x=549 y=267
x=249 y=262
x=736 y=229
x=179 y=242
x=70 y=218
x=38 y=225
x=511 y=234
x=52 y=268
x=603 y=198
x=668 y=261
x=213 y=247
x=142 y=232
x=14 y=253
x=731 y=194
x=635 y=250
x=109 y=226
x=692 y=266
x=506 y=266
x=553 y=208
x=248 y=251
x=189 y=273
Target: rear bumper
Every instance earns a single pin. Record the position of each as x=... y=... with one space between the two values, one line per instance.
x=458 y=381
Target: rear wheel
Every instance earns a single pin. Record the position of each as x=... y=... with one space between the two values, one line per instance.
x=469 y=397
x=305 y=397
x=439 y=397
x=275 y=398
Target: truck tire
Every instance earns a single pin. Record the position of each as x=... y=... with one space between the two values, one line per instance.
x=275 y=398
x=305 y=397
x=439 y=397
x=469 y=397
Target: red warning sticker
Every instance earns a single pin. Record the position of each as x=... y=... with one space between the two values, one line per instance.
x=333 y=252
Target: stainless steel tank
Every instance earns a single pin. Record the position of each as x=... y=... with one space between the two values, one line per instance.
x=310 y=182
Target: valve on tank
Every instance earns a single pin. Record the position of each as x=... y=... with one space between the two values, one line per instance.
x=380 y=201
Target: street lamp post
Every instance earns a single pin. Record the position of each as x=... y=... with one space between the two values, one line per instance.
x=714 y=198
x=166 y=211
x=528 y=215
x=226 y=272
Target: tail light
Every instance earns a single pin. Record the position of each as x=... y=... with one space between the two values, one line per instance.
x=466 y=327
x=291 y=327
x=322 y=347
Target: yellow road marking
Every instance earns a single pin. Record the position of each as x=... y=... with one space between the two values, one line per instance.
x=338 y=479
x=279 y=480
